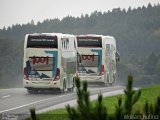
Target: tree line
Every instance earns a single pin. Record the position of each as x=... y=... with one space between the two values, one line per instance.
x=137 y=32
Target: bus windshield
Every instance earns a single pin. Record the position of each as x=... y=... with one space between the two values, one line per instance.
x=42 y=41
x=89 y=42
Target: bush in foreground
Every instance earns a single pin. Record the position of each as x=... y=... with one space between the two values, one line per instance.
x=124 y=109
x=85 y=109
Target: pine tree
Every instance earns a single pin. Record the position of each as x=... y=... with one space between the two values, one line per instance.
x=85 y=110
x=150 y=109
x=119 y=110
x=32 y=22
x=146 y=108
x=33 y=114
x=157 y=107
x=131 y=96
x=100 y=111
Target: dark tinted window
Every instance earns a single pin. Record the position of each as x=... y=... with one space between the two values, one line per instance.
x=42 y=42
x=89 y=41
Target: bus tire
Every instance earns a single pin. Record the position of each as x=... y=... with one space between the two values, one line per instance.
x=30 y=91
x=64 y=86
x=73 y=84
x=106 y=84
x=69 y=90
x=114 y=78
x=33 y=91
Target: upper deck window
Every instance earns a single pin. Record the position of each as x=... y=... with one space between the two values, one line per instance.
x=42 y=41
x=89 y=41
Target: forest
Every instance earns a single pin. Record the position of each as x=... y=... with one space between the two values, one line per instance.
x=137 y=32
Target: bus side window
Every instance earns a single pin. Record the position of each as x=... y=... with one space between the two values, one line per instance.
x=65 y=43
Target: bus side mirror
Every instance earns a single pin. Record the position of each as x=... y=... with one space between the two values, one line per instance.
x=117 y=57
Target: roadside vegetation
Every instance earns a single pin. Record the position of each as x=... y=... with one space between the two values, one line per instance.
x=141 y=104
x=2 y=87
x=137 y=32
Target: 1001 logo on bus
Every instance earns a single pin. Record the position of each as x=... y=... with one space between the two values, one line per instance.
x=36 y=59
x=86 y=57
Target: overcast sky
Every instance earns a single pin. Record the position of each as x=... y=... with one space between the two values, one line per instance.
x=23 y=11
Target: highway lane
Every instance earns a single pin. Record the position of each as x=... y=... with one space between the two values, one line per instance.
x=18 y=101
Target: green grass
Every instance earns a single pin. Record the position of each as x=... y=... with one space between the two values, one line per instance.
x=148 y=94
x=1 y=87
x=57 y=114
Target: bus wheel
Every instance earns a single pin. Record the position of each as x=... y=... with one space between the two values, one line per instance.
x=73 y=84
x=64 y=86
x=70 y=89
x=32 y=91
x=106 y=84
x=114 y=78
x=111 y=84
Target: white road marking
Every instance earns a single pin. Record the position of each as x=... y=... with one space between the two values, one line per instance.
x=74 y=102
x=6 y=96
x=44 y=101
x=33 y=103
x=36 y=102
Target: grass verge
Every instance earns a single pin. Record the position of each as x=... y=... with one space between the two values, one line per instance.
x=148 y=94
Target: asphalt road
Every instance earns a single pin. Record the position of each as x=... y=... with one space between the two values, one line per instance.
x=17 y=101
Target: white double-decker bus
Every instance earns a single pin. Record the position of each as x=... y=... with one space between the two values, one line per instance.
x=96 y=58
x=49 y=62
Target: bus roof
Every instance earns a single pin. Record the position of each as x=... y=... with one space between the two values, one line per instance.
x=106 y=38
x=96 y=35
x=51 y=34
